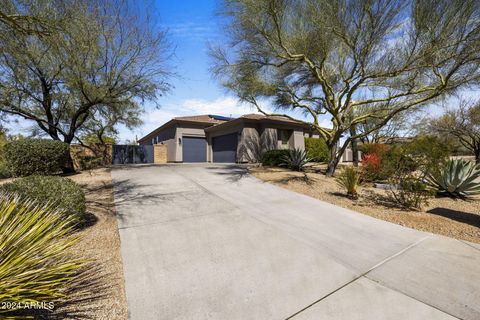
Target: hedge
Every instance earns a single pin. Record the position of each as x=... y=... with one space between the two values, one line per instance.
x=273 y=158
x=62 y=193
x=317 y=149
x=36 y=156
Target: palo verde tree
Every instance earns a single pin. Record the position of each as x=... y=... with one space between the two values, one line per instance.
x=102 y=59
x=462 y=124
x=332 y=57
x=14 y=18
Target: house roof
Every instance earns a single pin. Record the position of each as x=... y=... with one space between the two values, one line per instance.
x=204 y=119
x=255 y=117
x=211 y=122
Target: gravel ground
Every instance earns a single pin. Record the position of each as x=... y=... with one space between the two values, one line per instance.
x=100 y=241
x=453 y=218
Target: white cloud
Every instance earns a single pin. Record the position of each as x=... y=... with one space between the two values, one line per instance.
x=227 y=106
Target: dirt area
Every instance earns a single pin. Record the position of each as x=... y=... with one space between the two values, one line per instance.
x=100 y=241
x=449 y=217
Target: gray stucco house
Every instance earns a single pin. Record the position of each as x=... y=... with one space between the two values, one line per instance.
x=211 y=138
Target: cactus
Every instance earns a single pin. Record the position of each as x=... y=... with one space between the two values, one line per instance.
x=458 y=178
x=295 y=159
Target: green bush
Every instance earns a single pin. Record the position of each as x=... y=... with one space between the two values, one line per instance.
x=36 y=156
x=317 y=149
x=382 y=161
x=409 y=191
x=4 y=170
x=429 y=153
x=37 y=263
x=273 y=158
x=62 y=193
x=295 y=159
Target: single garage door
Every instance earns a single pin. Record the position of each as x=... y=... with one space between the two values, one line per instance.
x=194 y=149
x=225 y=148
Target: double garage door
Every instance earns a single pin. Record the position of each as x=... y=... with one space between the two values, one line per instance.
x=224 y=149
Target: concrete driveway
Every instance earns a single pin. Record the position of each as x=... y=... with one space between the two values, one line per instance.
x=211 y=242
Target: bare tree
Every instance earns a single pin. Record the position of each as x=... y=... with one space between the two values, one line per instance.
x=461 y=123
x=332 y=57
x=101 y=59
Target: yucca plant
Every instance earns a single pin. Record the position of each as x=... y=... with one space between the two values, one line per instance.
x=457 y=178
x=36 y=260
x=295 y=159
x=349 y=179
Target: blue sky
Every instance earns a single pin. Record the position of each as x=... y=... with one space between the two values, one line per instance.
x=191 y=26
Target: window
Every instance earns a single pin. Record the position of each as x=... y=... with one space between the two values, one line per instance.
x=284 y=137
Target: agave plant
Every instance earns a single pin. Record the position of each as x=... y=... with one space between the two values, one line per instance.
x=295 y=159
x=458 y=178
x=36 y=264
x=349 y=179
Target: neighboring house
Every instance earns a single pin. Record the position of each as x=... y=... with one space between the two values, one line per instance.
x=211 y=138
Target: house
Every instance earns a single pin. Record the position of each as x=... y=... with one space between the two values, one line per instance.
x=212 y=138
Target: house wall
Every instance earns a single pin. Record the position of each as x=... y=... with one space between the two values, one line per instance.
x=249 y=146
x=298 y=140
x=270 y=137
x=167 y=138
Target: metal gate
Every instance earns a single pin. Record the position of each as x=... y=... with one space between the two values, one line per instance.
x=130 y=154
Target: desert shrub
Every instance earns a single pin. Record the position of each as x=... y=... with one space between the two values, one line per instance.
x=4 y=170
x=456 y=178
x=317 y=149
x=90 y=162
x=36 y=260
x=378 y=149
x=408 y=191
x=429 y=153
x=383 y=163
x=61 y=193
x=295 y=159
x=273 y=157
x=36 y=156
x=371 y=167
x=396 y=159
x=349 y=179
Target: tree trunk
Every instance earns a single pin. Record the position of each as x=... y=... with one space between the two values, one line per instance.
x=335 y=157
x=354 y=144
x=69 y=167
x=477 y=155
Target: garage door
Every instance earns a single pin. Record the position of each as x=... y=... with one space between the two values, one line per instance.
x=194 y=149
x=225 y=148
